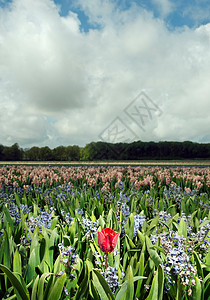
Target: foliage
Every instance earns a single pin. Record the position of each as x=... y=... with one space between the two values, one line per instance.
x=96 y=151
x=49 y=223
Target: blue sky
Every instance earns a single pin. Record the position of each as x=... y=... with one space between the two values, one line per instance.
x=189 y=13
x=69 y=71
x=183 y=12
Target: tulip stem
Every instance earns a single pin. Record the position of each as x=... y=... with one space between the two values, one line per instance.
x=106 y=260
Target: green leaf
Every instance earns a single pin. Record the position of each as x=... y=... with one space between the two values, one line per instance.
x=17 y=262
x=101 y=222
x=109 y=219
x=140 y=273
x=40 y=295
x=6 y=255
x=34 y=290
x=19 y=289
x=129 y=242
x=206 y=285
x=153 y=224
x=160 y=282
x=164 y=224
x=57 y=289
x=45 y=263
x=130 y=285
x=17 y=200
x=35 y=246
x=31 y=265
x=182 y=228
x=58 y=266
x=198 y=265
x=89 y=265
x=101 y=286
x=72 y=231
x=7 y=218
x=206 y=278
x=54 y=223
x=152 y=252
x=130 y=226
x=141 y=237
x=84 y=284
x=204 y=223
x=156 y=291
x=53 y=237
x=93 y=292
x=197 y=292
x=207 y=260
x=123 y=288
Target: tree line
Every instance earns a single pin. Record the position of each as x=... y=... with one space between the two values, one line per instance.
x=106 y=151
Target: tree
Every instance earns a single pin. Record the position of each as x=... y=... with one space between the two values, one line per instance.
x=46 y=153
x=73 y=153
x=59 y=153
x=33 y=154
x=1 y=152
x=13 y=153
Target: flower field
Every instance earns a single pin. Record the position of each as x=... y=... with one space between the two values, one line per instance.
x=104 y=232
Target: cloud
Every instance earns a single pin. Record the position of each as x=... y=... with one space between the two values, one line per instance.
x=60 y=85
x=165 y=7
x=43 y=54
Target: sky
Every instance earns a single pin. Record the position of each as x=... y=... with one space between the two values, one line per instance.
x=73 y=72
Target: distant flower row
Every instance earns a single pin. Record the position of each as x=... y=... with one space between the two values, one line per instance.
x=106 y=177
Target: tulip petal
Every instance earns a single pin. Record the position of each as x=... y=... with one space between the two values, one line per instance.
x=100 y=238
x=107 y=240
x=114 y=240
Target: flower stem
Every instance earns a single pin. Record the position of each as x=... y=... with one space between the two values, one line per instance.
x=106 y=260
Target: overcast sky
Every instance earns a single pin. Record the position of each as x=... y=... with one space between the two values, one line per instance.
x=72 y=72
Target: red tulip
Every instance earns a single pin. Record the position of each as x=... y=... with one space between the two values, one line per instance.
x=107 y=239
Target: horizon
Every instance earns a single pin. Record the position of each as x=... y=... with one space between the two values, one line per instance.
x=52 y=148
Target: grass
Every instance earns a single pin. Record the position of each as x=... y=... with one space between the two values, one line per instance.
x=203 y=163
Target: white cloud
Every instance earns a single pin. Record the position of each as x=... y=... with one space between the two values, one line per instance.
x=59 y=85
x=165 y=7
x=43 y=54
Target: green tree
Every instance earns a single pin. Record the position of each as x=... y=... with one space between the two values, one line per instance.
x=46 y=153
x=59 y=153
x=1 y=152
x=13 y=153
x=33 y=154
x=73 y=153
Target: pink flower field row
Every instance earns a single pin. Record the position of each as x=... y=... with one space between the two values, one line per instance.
x=91 y=176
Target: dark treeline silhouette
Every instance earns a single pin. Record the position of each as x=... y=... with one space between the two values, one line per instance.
x=106 y=151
